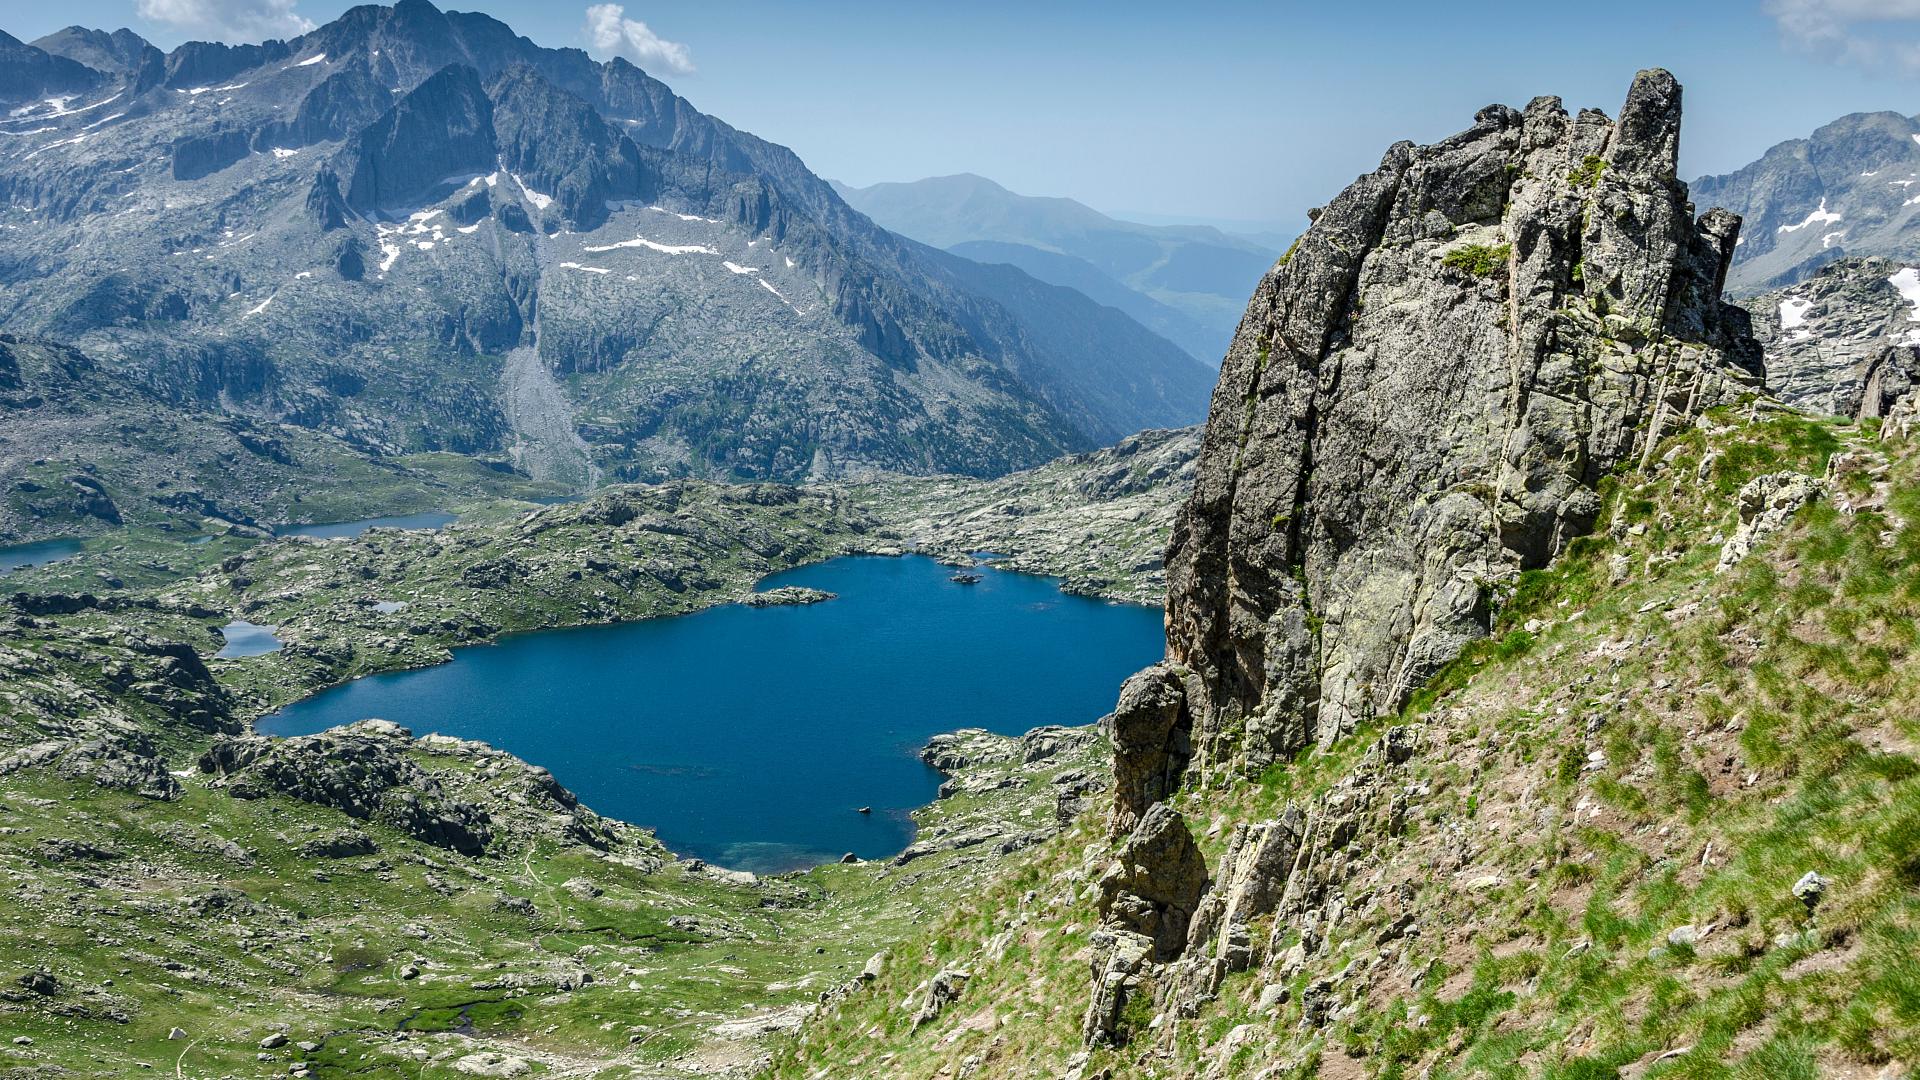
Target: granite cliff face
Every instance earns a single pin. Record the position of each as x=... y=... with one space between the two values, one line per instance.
x=1418 y=406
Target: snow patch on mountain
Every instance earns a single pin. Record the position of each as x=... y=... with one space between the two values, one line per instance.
x=1821 y=216
x=664 y=249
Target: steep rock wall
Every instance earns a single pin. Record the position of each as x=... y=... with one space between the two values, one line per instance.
x=1418 y=406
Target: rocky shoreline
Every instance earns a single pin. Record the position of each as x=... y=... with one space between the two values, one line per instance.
x=1099 y=522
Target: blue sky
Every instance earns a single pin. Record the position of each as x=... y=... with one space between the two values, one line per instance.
x=1210 y=109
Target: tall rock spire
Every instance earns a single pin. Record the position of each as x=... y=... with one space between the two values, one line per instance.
x=1418 y=405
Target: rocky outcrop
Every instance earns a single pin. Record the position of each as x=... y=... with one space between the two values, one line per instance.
x=1150 y=745
x=943 y=991
x=1882 y=382
x=1282 y=886
x=124 y=761
x=360 y=771
x=789 y=596
x=203 y=155
x=1252 y=878
x=328 y=207
x=1154 y=883
x=376 y=771
x=1419 y=405
x=1766 y=504
x=1420 y=402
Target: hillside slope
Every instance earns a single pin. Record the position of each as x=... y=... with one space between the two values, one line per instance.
x=1583 y=754
x=1661 y=823
x=85 y=453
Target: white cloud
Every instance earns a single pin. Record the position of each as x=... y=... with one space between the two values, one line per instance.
x=1882 y=34
x=228 y=20
x=611 y=33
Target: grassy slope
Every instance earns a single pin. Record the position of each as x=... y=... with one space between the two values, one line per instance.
x=203 y=913
x=317 y=948
x=1644 y=745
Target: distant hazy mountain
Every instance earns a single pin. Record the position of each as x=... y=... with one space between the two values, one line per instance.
x=1852 y=189
x=416 y=230
x=1190 y=282
x=1078 y=274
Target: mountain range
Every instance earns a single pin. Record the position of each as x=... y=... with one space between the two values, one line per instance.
x=414 y=230
x=1187 y=283
x=1852 y=188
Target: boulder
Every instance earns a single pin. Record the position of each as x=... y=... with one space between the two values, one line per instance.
x=1766 y=504
x=942 y=991
x=1148 y=728
x=1155 y=882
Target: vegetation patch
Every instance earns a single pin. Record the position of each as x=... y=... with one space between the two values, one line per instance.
x=1480 y=260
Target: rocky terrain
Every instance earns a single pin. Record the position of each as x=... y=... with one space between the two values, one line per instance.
x=1845 y=191
x=357 y=230
x=391 y=599
x=1582 y=754
x=1844 y=340
x=1099 y=521
x=85 y=453
x=361 y=903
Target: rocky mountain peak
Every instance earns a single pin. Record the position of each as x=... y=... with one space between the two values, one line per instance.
x=28 y=73
x=441 y=130
x=1418 y=406
x=497 y=178
x=560 y=144
x=116 y=53
x=1844 y=191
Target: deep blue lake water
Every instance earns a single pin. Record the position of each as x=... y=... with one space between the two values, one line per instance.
x=751 y=736
x=46 y=551
x=432 y=519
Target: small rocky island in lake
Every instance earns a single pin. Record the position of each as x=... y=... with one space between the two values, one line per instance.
x=965 y=577
x=788 y=596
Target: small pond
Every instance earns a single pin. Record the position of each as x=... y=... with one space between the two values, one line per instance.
x=46 y=551
x=248 y=639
